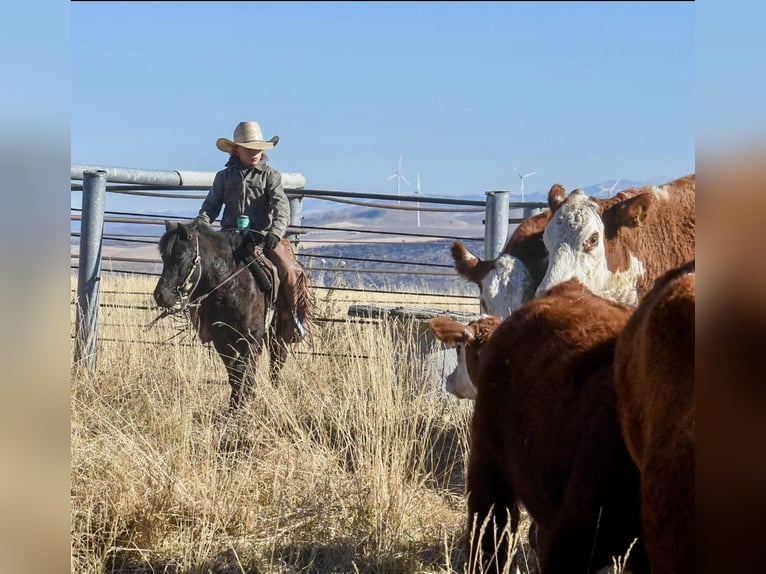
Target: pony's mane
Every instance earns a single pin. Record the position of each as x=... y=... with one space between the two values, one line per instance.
x=218 y=240
x=166 y=243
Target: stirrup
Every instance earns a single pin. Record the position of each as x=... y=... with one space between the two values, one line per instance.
x=301 y=328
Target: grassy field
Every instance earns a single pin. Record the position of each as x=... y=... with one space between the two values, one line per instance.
x=354 y=462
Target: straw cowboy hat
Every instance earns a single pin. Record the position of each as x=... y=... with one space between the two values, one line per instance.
x=247 y=135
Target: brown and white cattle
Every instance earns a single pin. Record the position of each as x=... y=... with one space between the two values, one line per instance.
x=508 y=281
x=468 y=341
x=654 y=378
x=618 y=246
x=545 y=432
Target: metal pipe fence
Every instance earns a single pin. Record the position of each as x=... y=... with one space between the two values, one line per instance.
x=99 y=232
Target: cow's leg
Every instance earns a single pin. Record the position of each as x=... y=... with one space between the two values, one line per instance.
x=565 y=548
x=575 y=544
x=667 y=492
x=491 y=504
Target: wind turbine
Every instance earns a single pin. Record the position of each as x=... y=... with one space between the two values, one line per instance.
x=602 y=188
x=417 y=192
x=399 y=177
x=521 y=177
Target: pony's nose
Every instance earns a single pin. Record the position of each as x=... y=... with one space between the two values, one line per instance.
x=163 y=296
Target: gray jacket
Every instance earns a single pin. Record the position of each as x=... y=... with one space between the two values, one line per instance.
x=255 y=191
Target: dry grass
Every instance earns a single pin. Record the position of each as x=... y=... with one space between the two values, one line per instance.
x=353 y=463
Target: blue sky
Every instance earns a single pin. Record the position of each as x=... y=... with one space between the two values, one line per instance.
x=580 y=93
x=464 y=92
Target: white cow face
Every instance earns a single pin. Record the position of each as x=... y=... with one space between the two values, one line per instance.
x=458 y=382
x=574 y=239
x=468 y=341
x=506 y=288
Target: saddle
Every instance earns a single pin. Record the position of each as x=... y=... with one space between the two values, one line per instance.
x=263 y=270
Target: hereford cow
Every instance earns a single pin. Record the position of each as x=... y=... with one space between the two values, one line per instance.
x=468 y=341
x=510 y=280
x=545 y=431
x=618 y=246
x=654 y=379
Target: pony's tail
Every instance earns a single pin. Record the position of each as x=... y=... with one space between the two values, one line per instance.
x=304 y=300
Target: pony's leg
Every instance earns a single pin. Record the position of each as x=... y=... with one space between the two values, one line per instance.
x=277 y=356
x=249 y=355
x=249 y=351
x=236 y=372
x=235 y=369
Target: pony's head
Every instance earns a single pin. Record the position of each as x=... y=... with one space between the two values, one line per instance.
x=179 y=249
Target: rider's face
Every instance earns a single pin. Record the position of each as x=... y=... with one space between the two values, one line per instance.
x=249 y=157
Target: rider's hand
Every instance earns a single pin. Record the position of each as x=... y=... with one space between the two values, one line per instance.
x=270 y=241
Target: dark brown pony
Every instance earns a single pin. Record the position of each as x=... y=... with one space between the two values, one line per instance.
x=203 y=272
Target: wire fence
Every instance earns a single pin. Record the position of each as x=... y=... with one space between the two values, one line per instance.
x=360 y=246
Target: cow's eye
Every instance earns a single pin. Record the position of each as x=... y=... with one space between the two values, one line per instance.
x=592 y=241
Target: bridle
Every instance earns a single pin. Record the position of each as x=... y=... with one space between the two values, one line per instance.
x=186 y=288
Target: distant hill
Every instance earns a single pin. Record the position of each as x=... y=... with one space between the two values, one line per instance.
x=449 y=223
x=387 y=266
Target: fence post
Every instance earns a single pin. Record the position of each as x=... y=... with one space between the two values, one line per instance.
x=88 y=276
x=529 y=211
x=495 y=223
x=296 y=216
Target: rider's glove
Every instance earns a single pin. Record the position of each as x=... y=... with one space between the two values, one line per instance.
x=201 y=220
x=270 y=241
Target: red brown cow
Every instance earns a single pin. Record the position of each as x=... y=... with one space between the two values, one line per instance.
x=618 y=246
x=654 y=378
x=545 y=431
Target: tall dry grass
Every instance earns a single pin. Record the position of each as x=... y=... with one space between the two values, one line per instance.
x=354 y=462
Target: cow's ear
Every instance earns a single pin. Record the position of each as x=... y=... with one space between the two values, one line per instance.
x=170 y=225
x=633 y=211
x=556 y=196
x=450 y=331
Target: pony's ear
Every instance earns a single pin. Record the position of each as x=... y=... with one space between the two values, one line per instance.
x=184 y=231
x=170 y=225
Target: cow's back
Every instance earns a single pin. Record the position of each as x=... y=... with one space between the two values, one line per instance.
x=545 y=419
x=654 y=377
x=665 y=240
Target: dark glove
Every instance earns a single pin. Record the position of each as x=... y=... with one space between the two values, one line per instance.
x=270 y=241
x=201 y=221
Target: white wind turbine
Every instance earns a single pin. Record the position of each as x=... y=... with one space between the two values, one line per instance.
x=417 y=192
x=521 y=177
x=399 y=177
x=602 y=188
